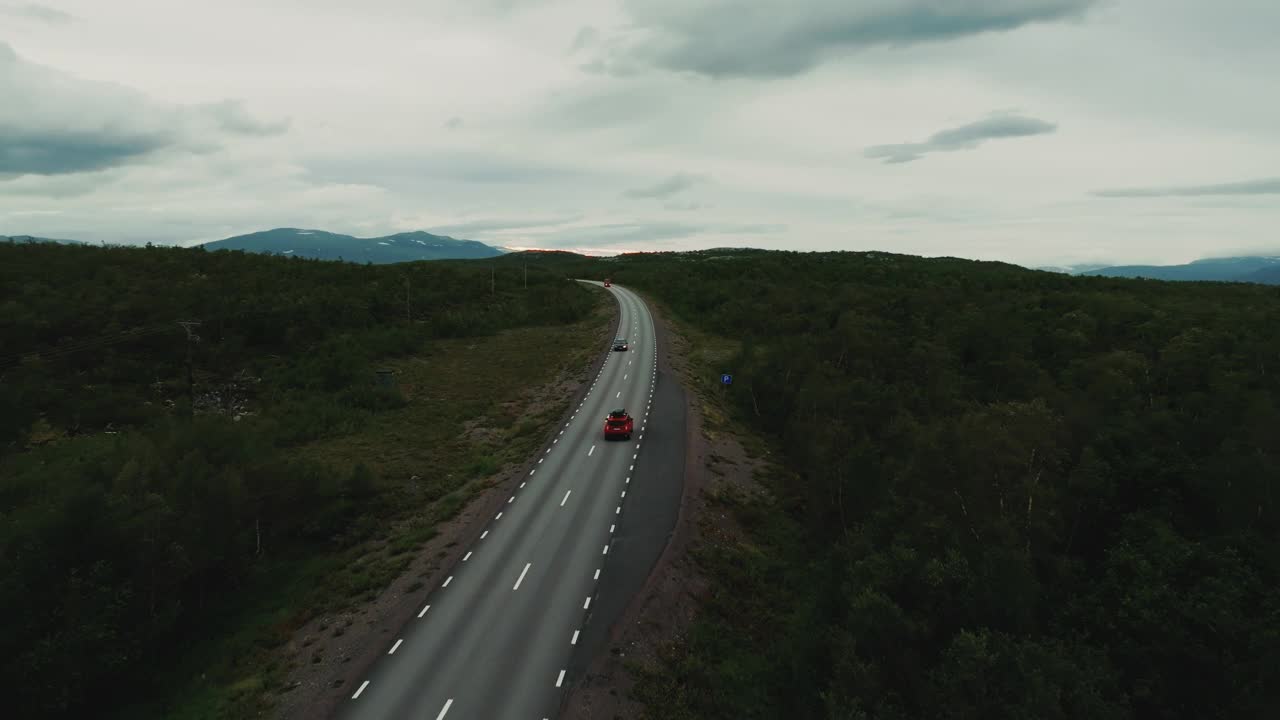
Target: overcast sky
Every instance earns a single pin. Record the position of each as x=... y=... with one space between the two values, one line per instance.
x=1030 y=131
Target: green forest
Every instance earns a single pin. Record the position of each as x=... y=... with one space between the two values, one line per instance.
x=1011 y=494
x=146 y=479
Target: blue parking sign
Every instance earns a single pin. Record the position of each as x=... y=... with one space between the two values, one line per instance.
x=726 y=379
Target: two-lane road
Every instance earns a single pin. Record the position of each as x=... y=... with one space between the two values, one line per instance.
x=494 y=640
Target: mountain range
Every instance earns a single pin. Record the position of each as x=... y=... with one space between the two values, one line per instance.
x=322 y=245
x=1250 y=268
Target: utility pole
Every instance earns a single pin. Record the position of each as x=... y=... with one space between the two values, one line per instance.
x=191 y=337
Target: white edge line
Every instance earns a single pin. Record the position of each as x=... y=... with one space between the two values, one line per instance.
x=424 y=611
x=395 y=647
x=365 y=684
x=447 y=581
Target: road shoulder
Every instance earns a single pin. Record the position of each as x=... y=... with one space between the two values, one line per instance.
x=715 y=462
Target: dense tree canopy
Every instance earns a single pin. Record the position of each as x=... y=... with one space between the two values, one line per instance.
x=127 y=526
x=1016 y=494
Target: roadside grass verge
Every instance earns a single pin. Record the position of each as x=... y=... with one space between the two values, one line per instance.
x=473 y=408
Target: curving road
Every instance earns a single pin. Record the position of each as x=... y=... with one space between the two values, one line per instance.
x=494 y=641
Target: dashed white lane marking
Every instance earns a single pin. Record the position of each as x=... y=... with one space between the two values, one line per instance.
x=611 y=529
x=522 y=485
x=606 y=550
x=597 y=577
x=574 y=641
x=483 y=534
x=633 y=457
x=498 y=516
x=445 y=709
x=624 y=493
x=548 y=450
x=424 y=611
x=565 y=498
x=365 y=684
x=593 y=449
x=587 y=604
x=624 y=375
x=617 y=510
x=558 y=681
x=447 y=581
x=633 y=467
x=539 y=462
x=531 y=471
x=467 y=556
x=521 y=578
x=395 y=647
x=513 y=499
x=619 y=394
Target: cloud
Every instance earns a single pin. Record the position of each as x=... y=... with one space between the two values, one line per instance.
x=741 y=38
x=643 y=234
x=587 y=37
x=477 y=227
x=409 y=168
x=671 y=186
x=685 y=205
x=40 y=13
x=965 y=137
x=1266 y=186
x=52 y=123
x=232 y=117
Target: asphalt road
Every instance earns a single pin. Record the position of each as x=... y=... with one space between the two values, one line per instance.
x=495 y=640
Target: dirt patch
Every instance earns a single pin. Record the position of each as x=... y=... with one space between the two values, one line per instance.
x=715 y=463
x=327 y=655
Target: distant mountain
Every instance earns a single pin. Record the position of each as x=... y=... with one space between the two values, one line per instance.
x=32 y=238
x=318 y=244
x=1266 y=276
x=1233 y=269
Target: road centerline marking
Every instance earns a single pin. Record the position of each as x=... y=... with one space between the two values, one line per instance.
x=521 y=578
x=395 y=647
x=424 y=611
x=363 y=685
x=593 y=449
x=445 y=709
x=565 y=498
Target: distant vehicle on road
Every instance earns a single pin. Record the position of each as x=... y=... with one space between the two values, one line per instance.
x=618 y=425
x=606 y=283
x=621 y=345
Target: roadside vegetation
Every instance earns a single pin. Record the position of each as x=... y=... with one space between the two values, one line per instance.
x=157 y=543
x=1007 y=494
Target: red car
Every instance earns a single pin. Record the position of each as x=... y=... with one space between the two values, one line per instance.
x=606 y=282
x=618 y=425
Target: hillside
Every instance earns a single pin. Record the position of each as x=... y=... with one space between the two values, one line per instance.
x=321 y=245
x=1001 y=493
x=160 y=539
